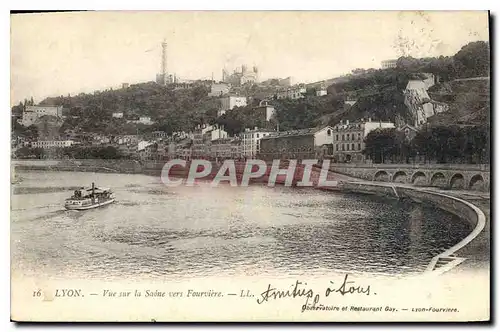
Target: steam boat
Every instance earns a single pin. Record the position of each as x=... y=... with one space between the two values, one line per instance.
x=90 y=198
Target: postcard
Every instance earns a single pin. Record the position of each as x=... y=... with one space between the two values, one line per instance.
x=250 y=166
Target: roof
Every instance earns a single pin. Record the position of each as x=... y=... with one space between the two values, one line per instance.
x=295 y=132
x=415 y=84
x=258 y=131
x=222 y=140
x=409 y=126
x=98 y=189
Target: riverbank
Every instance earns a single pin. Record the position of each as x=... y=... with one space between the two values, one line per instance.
x=469 y=255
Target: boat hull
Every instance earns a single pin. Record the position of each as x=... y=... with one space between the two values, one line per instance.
x=88 y=207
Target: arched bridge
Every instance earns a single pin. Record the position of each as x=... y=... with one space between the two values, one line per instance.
x=468 y=177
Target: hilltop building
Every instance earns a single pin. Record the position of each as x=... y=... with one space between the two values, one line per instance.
x=294 y=92
x=31 y=114
x=238 y=78
x=230 y=102
x=389 y=63
x=283 y=82
x=265 y=110
x=145 y=120
x=321 y=91
x=219 y=89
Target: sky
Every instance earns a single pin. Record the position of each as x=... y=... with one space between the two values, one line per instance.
x=59 y=53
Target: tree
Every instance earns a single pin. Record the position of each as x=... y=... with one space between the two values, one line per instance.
x=382 y=145
x=473 y=60
x=452 y=144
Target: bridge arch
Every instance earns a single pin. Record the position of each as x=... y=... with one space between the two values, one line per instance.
x=418 y=178
x=400 y=177
x=457 y=181
x=438 y=180
x=382 y=176
x=476 y=182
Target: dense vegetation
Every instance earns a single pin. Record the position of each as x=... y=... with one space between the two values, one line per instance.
x=379 y=93
x=441 y=144
x=290 y=114
x=171 y=109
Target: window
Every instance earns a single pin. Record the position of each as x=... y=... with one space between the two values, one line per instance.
x=343 y=137
x=342 y=147
x=353 y=136
x=257 y=135
x=352 y=146
x=328 y=132
x=337 y=137
x=359 y=146
x=336 y=147
x=359 y=135
x=347 y=136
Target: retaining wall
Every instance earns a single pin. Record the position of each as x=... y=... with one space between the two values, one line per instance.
x=463 y=209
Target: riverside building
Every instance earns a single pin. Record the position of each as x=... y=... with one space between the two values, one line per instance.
x=348 y=139
x=250 y=141
x=298 y=144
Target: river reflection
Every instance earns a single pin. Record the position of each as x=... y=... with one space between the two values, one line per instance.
x=157 y=231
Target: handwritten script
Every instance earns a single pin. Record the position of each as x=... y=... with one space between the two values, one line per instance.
x=300 y=290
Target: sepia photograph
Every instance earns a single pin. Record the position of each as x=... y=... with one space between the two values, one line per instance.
x=250 y=166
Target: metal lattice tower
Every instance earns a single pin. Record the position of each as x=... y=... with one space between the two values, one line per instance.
x=164 y=58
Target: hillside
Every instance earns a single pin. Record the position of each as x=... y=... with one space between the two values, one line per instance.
x=378 y=94
x=172 y=109
x=469 y=101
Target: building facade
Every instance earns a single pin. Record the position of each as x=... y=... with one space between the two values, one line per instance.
x=51 y=144
x=265 y=110
x=159 y=134
x=298 y=144
x=409 y=132
x=250 y=141
x=295 y=92
x=230 y=102
x=219 y=89
x=127 y=139
x=348 y=139
x=146 y=120
x=389 y=63
x=225 y=148
x=238 y=78
x=321 y=92
x=31 y=114
x=200 y=146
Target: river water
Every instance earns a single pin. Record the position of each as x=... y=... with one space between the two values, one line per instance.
x=160 y=232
